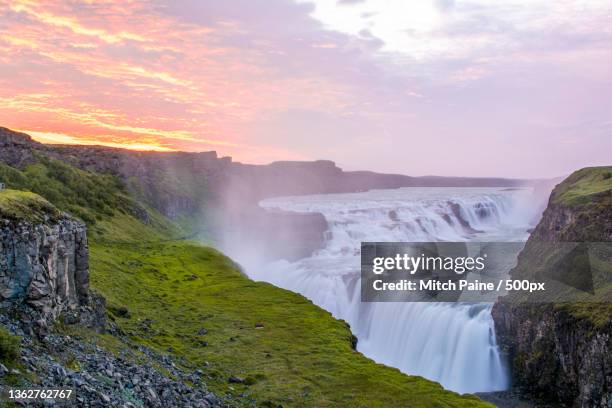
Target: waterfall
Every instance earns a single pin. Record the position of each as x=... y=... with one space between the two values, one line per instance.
x=453 y=344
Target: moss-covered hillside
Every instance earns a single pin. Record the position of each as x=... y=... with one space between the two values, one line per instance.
x=591 y=185
x=580 y=208
x=86 y=195
x=25 y=205
x=192 y=302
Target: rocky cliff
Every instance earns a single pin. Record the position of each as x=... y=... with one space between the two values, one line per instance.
x=16 y=148
x=562 y=350
x=180 y=183
x=43 y=255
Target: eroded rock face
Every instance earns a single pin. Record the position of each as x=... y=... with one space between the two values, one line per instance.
x=16 y=148
x=45 y=266
x=554 y=353
x=563 y=223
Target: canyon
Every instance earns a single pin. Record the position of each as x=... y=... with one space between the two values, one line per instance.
x=559 y=353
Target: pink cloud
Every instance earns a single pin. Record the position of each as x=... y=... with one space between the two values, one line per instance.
x=274 y=83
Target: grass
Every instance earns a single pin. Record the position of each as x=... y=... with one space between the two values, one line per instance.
x=87 y=195
x=289 y=351
x=596 y=313
x=10 y=350
x=123 y=228
x=23 y=205
x=9 y=347
x=584 y=186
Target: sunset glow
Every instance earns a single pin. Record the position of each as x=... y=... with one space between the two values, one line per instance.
x=351 y=81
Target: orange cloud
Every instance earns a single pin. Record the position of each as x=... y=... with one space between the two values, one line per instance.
x=73 y=24
x=61 y=138
x=124 y=74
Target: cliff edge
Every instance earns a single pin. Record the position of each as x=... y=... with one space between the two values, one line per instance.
x=561 y=350
x=43 y=255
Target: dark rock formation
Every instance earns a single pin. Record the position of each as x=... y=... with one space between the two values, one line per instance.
x=556 y=355
x=16 y=148
x=44 y=265
x=563 y=351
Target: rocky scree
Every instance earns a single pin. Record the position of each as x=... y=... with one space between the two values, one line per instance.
x=44 y=279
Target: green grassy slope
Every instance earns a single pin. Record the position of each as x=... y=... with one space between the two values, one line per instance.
x=86 y=195
x=585 y=186
x=25 y=205
x=287 y=350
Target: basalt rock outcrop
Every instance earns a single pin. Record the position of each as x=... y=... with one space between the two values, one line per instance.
x=562 y=350
x=44 y=264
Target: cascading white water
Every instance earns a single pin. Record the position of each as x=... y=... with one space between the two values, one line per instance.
x=453 y=344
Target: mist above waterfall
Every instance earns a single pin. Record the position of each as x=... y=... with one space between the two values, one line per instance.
x=247 y=232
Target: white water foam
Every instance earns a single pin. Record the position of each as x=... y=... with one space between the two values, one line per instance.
x=453 y=344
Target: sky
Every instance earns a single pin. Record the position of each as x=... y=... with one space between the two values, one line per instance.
x=446 y=87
